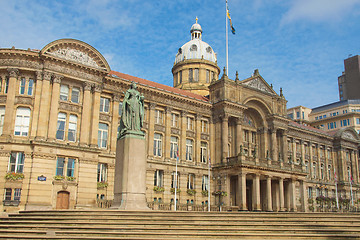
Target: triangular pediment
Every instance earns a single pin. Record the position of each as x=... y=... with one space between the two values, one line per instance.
x=258 y=83
x=76 y=51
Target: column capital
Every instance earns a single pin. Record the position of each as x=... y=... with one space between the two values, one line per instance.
x=13 y=72
x=98 y=88
x=152 y=106
x=197 y=117
x=224 y=117
x=184 y=113
x=116 y=98
x=47 y=76
x=57 y=78
x=168 y=110
x=87 y=86
x=39 y=75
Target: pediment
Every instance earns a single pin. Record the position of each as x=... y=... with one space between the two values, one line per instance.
x=76 y=51
x=258 y=83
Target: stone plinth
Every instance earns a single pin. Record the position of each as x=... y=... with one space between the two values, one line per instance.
x=130 y=172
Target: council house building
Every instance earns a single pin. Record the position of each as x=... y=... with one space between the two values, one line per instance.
x=60 y=109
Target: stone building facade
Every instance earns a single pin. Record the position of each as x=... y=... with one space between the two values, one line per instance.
x=60 y=109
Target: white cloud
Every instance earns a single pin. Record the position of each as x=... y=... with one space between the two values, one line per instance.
x=319 y=10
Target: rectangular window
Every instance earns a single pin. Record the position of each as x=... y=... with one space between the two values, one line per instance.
x=158 y=178
x=158 y=117
x=120 y=109
x=189 y=149
x=309 y=192
x=291 y=115
x=75 y=94
x=72 y=128
x=297 y=115
x=329 y=172
x=191 y=76
x=65 y=166
x=64 y=92
x=102 y=172
x=303 y=115
x=104 y=104
x=60 y=128
x=204 y=126
x=205 y=183
x=17 y=194
x=157 y=144
x=175 y=178
x=70 y=167
x=2 y=116
x=174 y=120
x=207 y=76
x=30 y=87
x=8 y=192
x=22 y=121
x=60 y=164
x=180 y=76
x=358 y=121
x=191 y=181
x=203 y=152
x=16 y=162
x=173 y=147
x=190 y=123
x=103 y=135
x=22 y=86
x=196 y=75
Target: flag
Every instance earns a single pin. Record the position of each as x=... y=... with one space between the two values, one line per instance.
x=177 y=154
x=209 y=161
x=335 y=178
x=231 y=26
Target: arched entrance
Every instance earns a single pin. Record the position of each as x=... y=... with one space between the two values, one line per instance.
x=63 y=199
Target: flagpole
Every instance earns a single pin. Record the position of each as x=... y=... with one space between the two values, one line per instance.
x=227 y=40
x=336 y=191
x=176 y=171
x=209 y=183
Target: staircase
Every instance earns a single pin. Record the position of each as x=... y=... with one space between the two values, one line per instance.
x=111 y=224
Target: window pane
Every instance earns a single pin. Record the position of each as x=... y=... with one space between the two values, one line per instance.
x=72 y=128
x=8 y=194
x=70 y=167
x=60 y=133
x=64 y=92
x=60 y=166
x=30 y=87
x=75 y=95
x=22 y=85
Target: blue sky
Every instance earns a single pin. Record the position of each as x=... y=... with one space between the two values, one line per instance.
x=298 y=45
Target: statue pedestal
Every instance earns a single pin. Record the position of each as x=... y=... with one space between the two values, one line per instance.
x=130 y=172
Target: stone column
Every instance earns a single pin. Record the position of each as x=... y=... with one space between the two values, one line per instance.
x=274 y=147
x=44 y=107
x=151 y=129
x=37 y=100
x=227 y=189
x=292 y=195
x=304 y=200
x=256 y=193
x=224 y=137
x=281 y=193
x=263 y=143
x=167 y=132
x=10 y=112
x=238 y=135
x=242 y=191
x=182 y=151
x=54 y=106
x=268 y=194
x=85 y=116
x=355 y=162
x=114 y=122
x=284 y=144
x=95 y=116
x=197 y=138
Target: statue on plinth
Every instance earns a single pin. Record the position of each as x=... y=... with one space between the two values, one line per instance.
x=132 y=115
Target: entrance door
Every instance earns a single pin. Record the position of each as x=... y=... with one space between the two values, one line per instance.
x=62 y=201
x=233 y=191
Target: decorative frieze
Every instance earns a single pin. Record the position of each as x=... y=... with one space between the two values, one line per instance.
x=105 y=117
x=69 y=107
x=74 y=55
x=159 y=128
x=190 y=134
x=175 y=131
x=25 y=100
x=21 y=63
x=2 y=99
x=205 y=137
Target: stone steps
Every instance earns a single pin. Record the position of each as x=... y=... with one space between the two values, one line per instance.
x=178 y=225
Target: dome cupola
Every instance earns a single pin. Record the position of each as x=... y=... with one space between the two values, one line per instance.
x=195 y=64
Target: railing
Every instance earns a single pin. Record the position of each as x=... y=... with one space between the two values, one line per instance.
x=102 y=203
x=182 y=207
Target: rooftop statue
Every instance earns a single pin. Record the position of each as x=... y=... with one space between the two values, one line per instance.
x=132 y=115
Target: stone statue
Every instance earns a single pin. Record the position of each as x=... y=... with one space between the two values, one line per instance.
x=132 y=115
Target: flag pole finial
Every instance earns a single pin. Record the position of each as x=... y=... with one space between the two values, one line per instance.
x=196 y=19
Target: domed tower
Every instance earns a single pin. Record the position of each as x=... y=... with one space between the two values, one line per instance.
x=195 y=64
